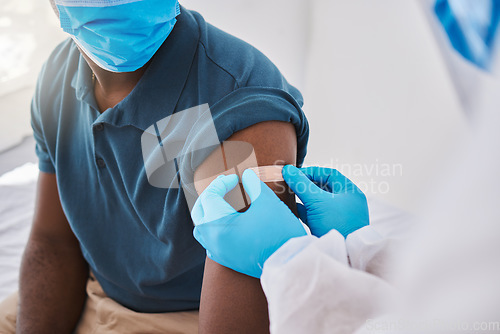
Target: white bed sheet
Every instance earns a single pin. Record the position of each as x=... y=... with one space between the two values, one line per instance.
x=17 y=198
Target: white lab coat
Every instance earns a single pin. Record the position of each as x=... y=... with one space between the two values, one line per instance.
x=329 y=284
x=443 y=276
x=446 y=275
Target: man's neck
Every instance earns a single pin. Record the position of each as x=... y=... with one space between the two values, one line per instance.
x=110 y=88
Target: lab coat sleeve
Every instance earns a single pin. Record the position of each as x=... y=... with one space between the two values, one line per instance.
x=310 y=288
x=370 y=251
x=372 y=248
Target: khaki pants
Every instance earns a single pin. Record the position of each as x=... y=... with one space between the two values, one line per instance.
x=103 y=315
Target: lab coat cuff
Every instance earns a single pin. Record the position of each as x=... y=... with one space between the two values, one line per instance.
x=331 y=244
x=362 y=245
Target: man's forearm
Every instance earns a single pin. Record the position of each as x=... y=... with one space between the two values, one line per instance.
x=231 y=302
x=52 y=288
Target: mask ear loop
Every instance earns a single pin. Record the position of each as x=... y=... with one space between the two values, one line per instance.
x=269 y=173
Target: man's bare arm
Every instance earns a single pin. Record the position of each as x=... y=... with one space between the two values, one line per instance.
x=53 y=270
x=232 y=302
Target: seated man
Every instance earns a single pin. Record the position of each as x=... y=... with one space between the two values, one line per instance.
x=108 y=251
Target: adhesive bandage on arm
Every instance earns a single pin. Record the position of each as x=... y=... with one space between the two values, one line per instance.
x=233 y=157
x=269 y=173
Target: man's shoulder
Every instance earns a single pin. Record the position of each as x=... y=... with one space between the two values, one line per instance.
x=64 y=55
x=63 y=51
x=57 y=70
x=54 y=82
x=246 y=64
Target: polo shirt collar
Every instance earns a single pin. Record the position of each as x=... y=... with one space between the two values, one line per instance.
x=156 y=94
x=82 y=83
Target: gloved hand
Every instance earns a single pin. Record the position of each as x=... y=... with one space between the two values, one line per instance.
x=331 y=201
x=243 y=241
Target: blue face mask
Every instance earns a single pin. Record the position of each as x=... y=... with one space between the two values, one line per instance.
x=118 y=35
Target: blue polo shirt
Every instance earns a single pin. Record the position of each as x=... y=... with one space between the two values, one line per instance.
x=137 y=238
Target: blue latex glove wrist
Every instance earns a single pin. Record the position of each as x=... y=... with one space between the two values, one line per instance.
x=243 y=241
x=331 y=201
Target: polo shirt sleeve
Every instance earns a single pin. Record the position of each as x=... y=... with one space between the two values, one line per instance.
x=45 y=163
x=251 y=105
x=238 y=110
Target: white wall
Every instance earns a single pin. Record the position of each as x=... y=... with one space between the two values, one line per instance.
x=379 y=98
x=278 y=28
x=28 y=33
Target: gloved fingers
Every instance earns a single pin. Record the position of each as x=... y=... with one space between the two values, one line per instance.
x=222 y=184
x=198 y=235
x=197 y=212
x=300 y=184
x=301 y=210
x=329 y=179
x=320 y=176
x=215 y=237
x=212 y=198
x=252 y=184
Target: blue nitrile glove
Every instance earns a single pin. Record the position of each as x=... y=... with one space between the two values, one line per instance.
x=243 y=241
x=331 y=200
